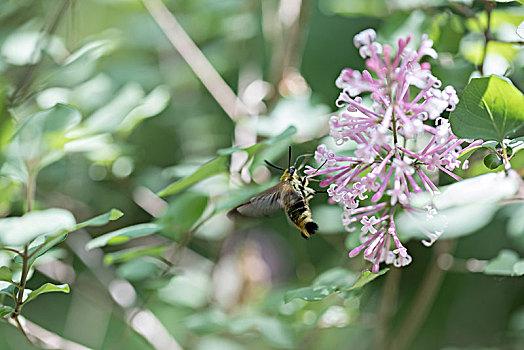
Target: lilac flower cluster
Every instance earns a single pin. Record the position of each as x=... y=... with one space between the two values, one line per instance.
x=389 y=163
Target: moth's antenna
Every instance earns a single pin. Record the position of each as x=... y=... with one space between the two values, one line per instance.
x=306 y=156
x=274 y=166
x=317 y=169
x=289 y=158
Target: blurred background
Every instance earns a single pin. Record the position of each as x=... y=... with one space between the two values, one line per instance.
x=159 y=96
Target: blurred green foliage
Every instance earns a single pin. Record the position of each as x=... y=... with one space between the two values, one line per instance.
x=99 y=111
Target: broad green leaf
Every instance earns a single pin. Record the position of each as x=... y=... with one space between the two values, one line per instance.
x=515 y=225
x=8 y=290
x=5 y=310
x=47 y=288
x=492 y=161
x=311 y=293
x=462 y=208
x=520 y=28
x=112 y=215
x=210 y=321
x=274 y=331
x=213 y=167
x=39 y=140
x=42 y=244
x=490 y=108
x=17 y=231
x=336 y=280
x=5 y=274
x=182 y=213
x=123 y=235
x=365 y=278
x=133 y=253
x=518 y=268
x=110 y=116
x=93 y=48
x=152 y=105
x=251 y=150
x=138 y=269
x=219 y=164
x=503 y=264
x=192 y=289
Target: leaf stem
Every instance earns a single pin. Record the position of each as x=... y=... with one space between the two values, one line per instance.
x=12 y=250
x=507 y=165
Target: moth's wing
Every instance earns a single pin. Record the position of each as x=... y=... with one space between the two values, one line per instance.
x=260 y=204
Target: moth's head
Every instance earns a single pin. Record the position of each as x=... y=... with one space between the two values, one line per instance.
x=289 y=174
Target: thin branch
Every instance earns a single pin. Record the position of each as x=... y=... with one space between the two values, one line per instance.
x=424 y=299
x=43 y=42
x=487 y=36
x=20 y=297
x=12 y=250
x=516 y=42
x=43 y=337
x=196 y=60
x=19 y=326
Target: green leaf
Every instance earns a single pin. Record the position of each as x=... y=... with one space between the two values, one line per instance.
x=39 y=140
x=133 y=253
x=209 y=321
x=492 y=161
x=123 y=235
x=338 y=278
x=490 y=108
x=17 y=231
x=518 y=268
x=219 y=164
x=58 y=118
x=47 y=288
x=9 y=291
x=332 y=281
x=365 y=278
x=311 y=293
x=251 y=150
x=274 y=331
x=112 y=215
x=5 y=274
x=504 y=264
x=462 y=208
x=182 y=213
x=138 y=269
x=213 y=167
x=520 y=28
x=515 y=227
x=50 y=241
x=5 y=310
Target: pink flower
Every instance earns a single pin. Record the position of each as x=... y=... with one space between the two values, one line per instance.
x=387 y=165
